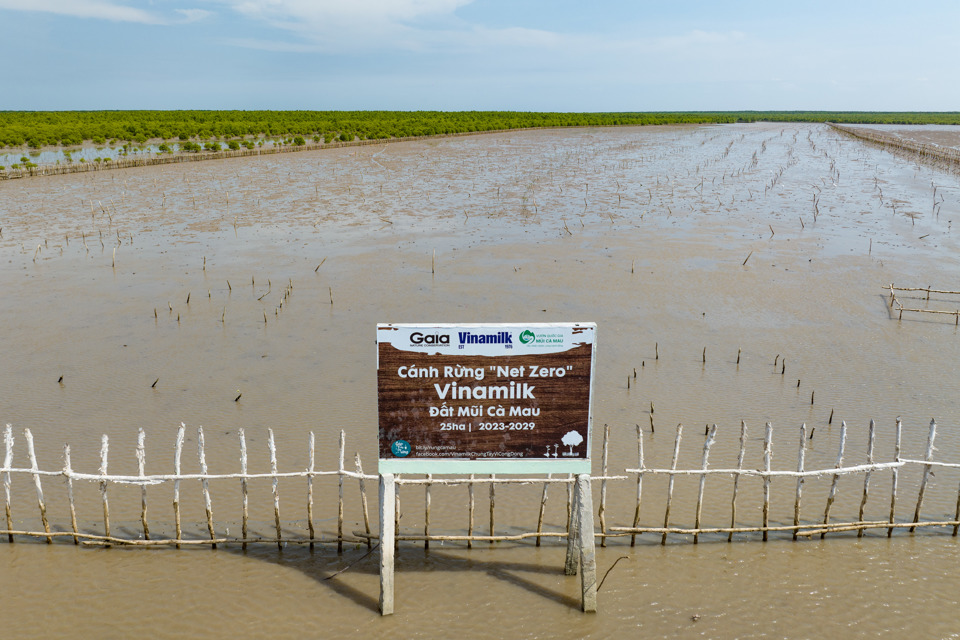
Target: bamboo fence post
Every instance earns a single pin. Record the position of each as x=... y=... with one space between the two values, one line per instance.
x=243 y=486
x=493 y=485
x=866 y=477
x=426 y=510
x=271 y=445
x=340 y=492
x=572 y=560
x=68 y=472
x=673 y=467
x=396 y=513
x=836 y=477
x=736 y=478
x=471 y=508
x=34 y=467
x=767 y=455
x=141 y=465
x=312 y=468
x=636 y=513
x=602 y=513
x=896 y=474
x=708 y=442
x=801 y=457
x=926 y=470
x=7 y=464
x=586 y=545
x=363 y=499
x=178 y=449
x=388 y=541
x=543 y=506
x=957 y=516
x=205 y=484
x=104 y=448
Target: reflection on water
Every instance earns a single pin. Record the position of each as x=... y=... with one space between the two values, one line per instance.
x=105 y=153
x=672 y=239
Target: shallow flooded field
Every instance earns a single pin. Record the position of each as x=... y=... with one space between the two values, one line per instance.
x=244 y=294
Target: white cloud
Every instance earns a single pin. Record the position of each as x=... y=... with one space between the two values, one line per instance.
x=355 y=26
x=84 y=9
x=193 y=15
x=319 y=11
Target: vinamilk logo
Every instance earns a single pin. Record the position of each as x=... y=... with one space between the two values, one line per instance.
x=527 y=336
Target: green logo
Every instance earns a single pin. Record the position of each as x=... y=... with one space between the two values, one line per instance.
x=527 y=336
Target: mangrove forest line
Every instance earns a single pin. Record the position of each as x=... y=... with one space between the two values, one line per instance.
x=38 y=129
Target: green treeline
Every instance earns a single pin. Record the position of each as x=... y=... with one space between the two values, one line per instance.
x=70 y=128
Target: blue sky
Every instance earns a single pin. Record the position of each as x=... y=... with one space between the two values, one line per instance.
x=480 y=54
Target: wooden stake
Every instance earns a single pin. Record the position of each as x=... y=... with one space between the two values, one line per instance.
x=492 y=501
x=178 y=448
x=426 y=511
x=866 y=477
x=363 y=498
x=926 y=470
x=895 y=471
x=312 y=468
x=636 y=514
x=472 y=504
x=67 y=471
x=205 y=485
x=571 y=562
x=34 y=467
x=801 y=455
x=271 y=445
x=603 y=487
x=711 y=437
x=673 y=466
x=836 y=477
x=7 y=464
x=141 y=464
x=243 y=485
x=736 y=478
x=543 y=506
x=340 y=492
x=104 y=447
x=767 y=455
x=388 y=537
x=586 y=542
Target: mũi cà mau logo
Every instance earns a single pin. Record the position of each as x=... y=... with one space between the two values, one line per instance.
x=543 y=338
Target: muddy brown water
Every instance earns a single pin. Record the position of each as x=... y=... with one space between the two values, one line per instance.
x=642 y=230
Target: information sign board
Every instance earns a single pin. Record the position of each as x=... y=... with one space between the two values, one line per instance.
x=492 y=398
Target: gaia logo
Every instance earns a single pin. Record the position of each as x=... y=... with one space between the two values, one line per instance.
x=527 y=336
x=400 y=448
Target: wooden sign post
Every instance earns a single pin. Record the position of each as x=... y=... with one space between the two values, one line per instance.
x=487 y=399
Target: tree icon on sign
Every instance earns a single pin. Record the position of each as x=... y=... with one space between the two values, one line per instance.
x=572 y=439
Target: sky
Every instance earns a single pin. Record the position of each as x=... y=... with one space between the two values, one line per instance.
x=454 y=55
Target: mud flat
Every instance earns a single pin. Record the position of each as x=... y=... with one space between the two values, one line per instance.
x=774 y=240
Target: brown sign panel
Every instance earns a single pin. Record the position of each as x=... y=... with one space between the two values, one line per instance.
x=490 y=393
